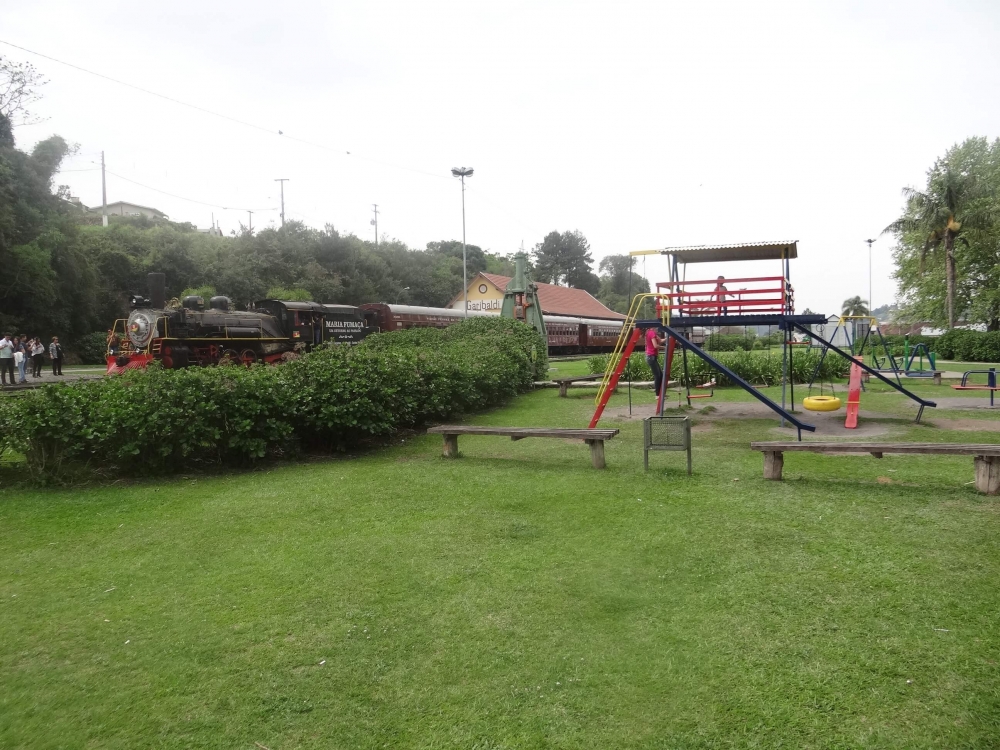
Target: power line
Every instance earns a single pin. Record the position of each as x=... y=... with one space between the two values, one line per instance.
x=270 y=131
x=189 y=200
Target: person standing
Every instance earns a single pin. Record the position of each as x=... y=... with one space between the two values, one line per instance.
x=37 y=357
x=6 y=359
x=654 y=343
x=20 y=358
x=55 y=351
x=720 y=295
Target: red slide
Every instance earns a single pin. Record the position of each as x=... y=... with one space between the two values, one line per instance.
x=853 y=397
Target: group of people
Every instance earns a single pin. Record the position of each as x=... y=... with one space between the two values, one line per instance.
x=17 y=351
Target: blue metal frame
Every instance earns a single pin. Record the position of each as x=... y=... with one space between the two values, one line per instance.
x=688 y=346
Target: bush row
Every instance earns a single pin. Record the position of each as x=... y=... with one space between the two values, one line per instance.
x=166 y=420
x=757 y=368
x=969 y=346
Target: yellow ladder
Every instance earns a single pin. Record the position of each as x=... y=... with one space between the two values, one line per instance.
x=626 y=334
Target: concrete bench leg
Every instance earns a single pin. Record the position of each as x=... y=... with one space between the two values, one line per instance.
x=597 y=453
x=451 y=446
x=987 y=474
x=563 y=390
x=774 y=461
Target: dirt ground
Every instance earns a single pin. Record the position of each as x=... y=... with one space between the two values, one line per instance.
x=828 y=424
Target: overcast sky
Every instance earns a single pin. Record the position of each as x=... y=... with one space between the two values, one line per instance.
x=643 y=125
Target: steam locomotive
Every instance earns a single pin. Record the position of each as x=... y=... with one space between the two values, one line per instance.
x=185 y=334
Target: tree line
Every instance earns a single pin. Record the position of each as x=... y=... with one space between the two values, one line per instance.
x=64 y=275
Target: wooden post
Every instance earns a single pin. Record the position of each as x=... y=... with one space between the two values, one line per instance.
x=451 y=446
x=563 y=389
x=987 y=474
x=774 y=461
x=597 y=453
x=937 y=378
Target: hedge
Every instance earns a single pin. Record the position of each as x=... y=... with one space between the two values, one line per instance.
x=169 y=420
x=969 y=346
x=757 y=368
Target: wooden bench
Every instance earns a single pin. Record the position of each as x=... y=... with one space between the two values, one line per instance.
x=594 y=438
x=986 y=459
x=563 y=383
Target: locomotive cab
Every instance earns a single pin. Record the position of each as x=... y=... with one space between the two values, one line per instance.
x=300 y=321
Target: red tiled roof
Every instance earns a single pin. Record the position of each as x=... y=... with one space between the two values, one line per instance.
x=562 y=300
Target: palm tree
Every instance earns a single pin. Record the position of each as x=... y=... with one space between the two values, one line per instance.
x=951 y=204
x=854 y=306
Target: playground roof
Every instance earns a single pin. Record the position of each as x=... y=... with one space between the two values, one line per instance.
x=725 y=253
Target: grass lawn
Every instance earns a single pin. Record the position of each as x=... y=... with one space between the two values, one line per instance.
x=514 y=598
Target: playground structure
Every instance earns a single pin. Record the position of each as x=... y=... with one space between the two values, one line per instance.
x=681 y=306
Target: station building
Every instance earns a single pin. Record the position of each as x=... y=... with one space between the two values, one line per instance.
x=486 y=295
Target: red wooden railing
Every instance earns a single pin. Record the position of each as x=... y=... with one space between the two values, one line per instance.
x=756 y=295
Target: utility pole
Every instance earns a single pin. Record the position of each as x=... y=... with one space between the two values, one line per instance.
x=251 y=220
x=104 y=194
x=462 y=173
x=282 y=180
x=375 y=222
x=871 y=305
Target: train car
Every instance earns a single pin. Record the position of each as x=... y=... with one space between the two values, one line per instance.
x=566 y=334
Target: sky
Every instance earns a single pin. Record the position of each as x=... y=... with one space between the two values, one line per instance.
x=641 y=124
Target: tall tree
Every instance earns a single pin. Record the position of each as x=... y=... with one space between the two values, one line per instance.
x=854 y=306
x=564 y=258
x=620 y=284
x=958 y=199
x=19 y=85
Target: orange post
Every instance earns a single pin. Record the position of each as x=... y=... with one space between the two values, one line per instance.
x=853 y=397
x=613 y=383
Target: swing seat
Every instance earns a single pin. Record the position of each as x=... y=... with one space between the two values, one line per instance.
x=821 y=403
x=701 y=395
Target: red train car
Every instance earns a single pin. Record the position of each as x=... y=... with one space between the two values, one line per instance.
x=567 y=334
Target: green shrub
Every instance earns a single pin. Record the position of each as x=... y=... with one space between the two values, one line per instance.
x=92 y=349
x=159 y=420
x=756 y=367
x=969 y=346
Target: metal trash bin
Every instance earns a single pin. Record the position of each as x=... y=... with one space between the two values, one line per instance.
x=666 y=434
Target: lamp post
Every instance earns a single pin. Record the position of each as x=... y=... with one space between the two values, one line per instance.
x=871 y=305
x=401 y=292
x=462 y=173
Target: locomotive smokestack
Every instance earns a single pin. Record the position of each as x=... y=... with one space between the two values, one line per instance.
x=157 y=290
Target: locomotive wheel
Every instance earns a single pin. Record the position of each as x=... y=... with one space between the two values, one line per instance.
x=229 y=357
x=248 y=357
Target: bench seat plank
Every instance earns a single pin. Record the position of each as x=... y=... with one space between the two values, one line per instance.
x=986 y=456
x=594 y=438
x=526 y=432
x=944 y=449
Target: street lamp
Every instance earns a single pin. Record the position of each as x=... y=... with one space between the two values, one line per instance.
x=871 y=305
x=462 y=173
x=400 y=294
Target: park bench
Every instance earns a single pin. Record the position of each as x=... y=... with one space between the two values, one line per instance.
x=986 y=459
x=563 y=383
x=594 y=438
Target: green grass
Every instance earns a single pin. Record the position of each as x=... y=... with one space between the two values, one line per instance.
x=514 y=598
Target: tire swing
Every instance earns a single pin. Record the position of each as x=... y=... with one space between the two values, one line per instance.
x=821 y=403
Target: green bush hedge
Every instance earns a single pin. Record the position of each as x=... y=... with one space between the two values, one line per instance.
x=167 y=420
x=969 y=346
x=756 y=367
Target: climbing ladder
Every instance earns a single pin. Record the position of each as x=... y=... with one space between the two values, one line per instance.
x=627 y=339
